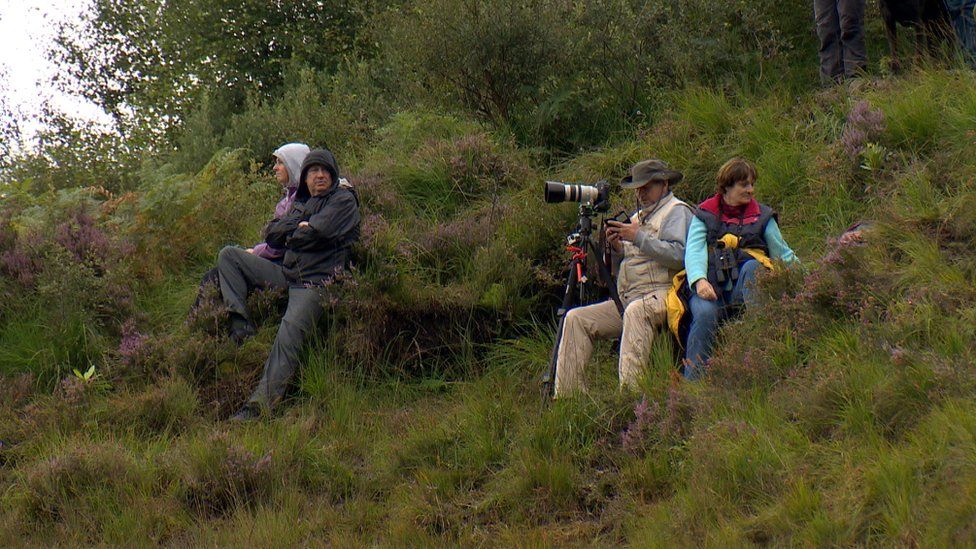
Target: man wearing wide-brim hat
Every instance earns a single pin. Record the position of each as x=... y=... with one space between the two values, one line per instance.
x=652 y=245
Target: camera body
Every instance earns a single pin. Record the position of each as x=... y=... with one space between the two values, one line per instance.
x=596 y=196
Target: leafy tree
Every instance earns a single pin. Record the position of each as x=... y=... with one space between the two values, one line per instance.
x=148 y=60
x=490 y=55
x=565 y=73
x=71 y=153
x=10 y=131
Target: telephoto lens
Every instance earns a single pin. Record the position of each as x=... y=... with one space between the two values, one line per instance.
x=560 y=192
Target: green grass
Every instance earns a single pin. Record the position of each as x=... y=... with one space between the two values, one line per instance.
x=48 y=344
x=839 y=414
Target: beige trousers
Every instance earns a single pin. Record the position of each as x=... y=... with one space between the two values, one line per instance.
x=582 y=325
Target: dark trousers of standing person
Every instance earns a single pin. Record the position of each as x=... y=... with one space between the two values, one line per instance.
x=239 y=272
x=840 y=28
x=964 y=23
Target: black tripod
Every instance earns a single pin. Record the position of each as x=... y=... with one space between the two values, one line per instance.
x=578 y=244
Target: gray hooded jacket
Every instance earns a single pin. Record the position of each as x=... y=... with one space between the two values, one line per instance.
x=320 y=250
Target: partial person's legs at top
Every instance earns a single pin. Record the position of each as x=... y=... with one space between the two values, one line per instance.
x=851 y=19
x=828 y=32
x=964 y=23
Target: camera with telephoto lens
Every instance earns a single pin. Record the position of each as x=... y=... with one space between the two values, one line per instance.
x=596 y=196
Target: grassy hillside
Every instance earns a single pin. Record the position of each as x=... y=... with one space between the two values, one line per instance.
x=840 y=412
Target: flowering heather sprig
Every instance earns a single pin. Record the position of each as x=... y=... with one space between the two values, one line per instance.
x=653 y=423
x=645 y=415
x=677 y=413
x=474 y=159
x=840 y=248
x=333 y=289
x=84 y=240
x=241 y=464
x=377 y=193
x=464 y=233
x=210 y=314
x=264 y=303
x=864 y=125
x=20 y=265
x=373 y=226
x=73 y=389
x=236 y=476
x=133 y=343
x=119 y=296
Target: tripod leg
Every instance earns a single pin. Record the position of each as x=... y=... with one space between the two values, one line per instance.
x=549 y=376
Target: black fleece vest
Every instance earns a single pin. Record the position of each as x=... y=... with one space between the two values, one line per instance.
x=723 y=264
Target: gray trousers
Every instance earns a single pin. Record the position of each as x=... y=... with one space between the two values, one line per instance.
x=239 y=272
x=964 y=21
x=840 y=28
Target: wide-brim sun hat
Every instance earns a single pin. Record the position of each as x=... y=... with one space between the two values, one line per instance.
x=650 y=170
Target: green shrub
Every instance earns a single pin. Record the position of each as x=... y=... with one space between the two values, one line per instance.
x=568 y=76
x=338 y=110
x=164 y=409
x=179 y=217
x=436 y=275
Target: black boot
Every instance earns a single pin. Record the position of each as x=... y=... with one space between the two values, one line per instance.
x=240 y=329
x=249 y=412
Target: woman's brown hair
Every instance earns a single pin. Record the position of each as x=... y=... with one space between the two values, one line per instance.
x=736 y=169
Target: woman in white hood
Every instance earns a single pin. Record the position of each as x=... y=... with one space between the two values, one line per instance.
x=287 y=170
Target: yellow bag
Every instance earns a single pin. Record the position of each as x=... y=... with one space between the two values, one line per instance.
x=677 y=303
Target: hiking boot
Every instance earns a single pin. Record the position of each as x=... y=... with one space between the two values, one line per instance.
x=239 y=336
x=241 y=329
x=249 y=412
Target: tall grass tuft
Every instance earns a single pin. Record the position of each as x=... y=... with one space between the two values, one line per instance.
x=223 y=476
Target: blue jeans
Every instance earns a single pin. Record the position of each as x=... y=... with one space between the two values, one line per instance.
x=961 y=12
x=706 y=315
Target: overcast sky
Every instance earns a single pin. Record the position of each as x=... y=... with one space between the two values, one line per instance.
x=26 y=29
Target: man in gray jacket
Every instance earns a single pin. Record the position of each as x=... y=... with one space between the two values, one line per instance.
x=316 y=235
x=653 y=248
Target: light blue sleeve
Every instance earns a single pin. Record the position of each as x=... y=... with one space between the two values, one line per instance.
x=696 y=253
x=778 y=248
